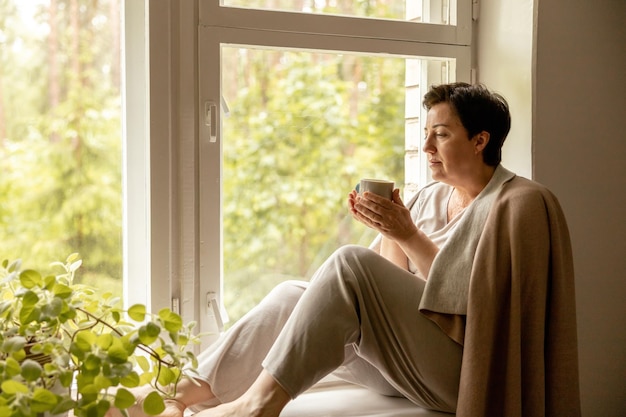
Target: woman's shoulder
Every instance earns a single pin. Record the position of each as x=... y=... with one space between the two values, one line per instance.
x=524 y=193
x=524 y=186
x=432 y=192
x=434 y=189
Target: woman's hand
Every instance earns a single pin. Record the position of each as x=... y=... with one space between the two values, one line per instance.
x=389 y=217
x=393 y=220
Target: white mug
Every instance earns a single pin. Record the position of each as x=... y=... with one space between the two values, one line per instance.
x=383 y=188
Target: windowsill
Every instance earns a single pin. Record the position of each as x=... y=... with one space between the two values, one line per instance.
x=335 y=398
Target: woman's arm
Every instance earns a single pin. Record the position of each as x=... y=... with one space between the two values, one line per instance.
x=391 y=251
x=402 y=240
x=420 y=250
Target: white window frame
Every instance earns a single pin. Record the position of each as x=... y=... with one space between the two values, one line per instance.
x=135 y=167
x=159 y=135
x=173 y=235
x=222 y=25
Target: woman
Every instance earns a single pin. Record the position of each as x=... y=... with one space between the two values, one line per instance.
x=368 y=315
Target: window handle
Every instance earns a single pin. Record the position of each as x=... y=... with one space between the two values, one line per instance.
x=210 y=119
x=213 y=310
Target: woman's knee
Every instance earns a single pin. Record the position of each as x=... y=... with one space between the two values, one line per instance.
x=286 y=293
x=347 y=261
x=356 y=256
x=354 y=250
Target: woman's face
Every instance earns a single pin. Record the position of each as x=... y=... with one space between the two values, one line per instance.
x=453 y=158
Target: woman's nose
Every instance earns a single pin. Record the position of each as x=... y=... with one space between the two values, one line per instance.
x=428 y=145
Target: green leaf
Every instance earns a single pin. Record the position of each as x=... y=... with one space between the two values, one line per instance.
x=137 y=312
x=72 y=257
x=124 y=398
x=12 y=387
x=93 y=408
x=75 y=265
x=43 y=400
x=12 y=367
x=131 y=380
x=116 y=316
x=13 y=344
x=88 y=392
x=171 y=321
x=30 y=278
x=19 y=356
x=66 y=378
x=68 y=313
x=29 y=312
x=103 y=407
x=6 y=411
x=149 y=333
x=92 y=362
x=116 y=353
x=166 y=376
x=192 y=359
x=65 y=405
x=118 y=370
x=49 y=282
x=146 y=378
x=54 y=308
x=6 y=306
x=84 y=340
x=102 y=382
x=104 y=340
x=182 y=340
x=31 y=370
x=153 y=404
x=62 y=290
x=143 y=363
x=16 y=265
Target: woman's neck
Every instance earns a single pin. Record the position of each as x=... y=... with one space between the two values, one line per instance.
x=463 y=195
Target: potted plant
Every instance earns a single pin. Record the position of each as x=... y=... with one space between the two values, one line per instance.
x=66 y=346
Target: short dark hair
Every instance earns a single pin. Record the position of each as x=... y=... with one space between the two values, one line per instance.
x=479 y=110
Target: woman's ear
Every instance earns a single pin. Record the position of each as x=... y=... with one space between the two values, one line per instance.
x=482 y=139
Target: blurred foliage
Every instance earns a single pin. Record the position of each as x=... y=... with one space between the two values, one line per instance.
x=368 y=8
x=303 y=129
x=60 y=134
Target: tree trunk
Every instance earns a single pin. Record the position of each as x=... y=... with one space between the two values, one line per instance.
x=54 y=91
x=75 y=31
x=3 y=127
x=114 y=16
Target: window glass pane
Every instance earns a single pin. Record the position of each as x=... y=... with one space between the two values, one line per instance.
x=302 y=129
x=60 y=141
x=425 y=11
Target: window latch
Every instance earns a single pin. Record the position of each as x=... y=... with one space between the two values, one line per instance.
x=210 y=119
x=214 y=311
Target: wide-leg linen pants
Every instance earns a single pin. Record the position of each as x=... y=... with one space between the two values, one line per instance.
x=358 y=317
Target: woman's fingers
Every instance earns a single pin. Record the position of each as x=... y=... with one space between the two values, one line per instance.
x=391 y=218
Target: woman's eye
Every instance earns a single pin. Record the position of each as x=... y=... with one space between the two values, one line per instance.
x=435 y=134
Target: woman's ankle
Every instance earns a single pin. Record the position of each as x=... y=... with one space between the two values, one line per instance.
x=266 y=396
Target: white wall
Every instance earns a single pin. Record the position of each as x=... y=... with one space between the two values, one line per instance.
x=504 y=38
x=562 y=63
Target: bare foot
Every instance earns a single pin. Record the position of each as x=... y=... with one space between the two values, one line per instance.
x=265 y=398
x=172 y=409
x=223 y=410
x=238 y=408
x=189 y=392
